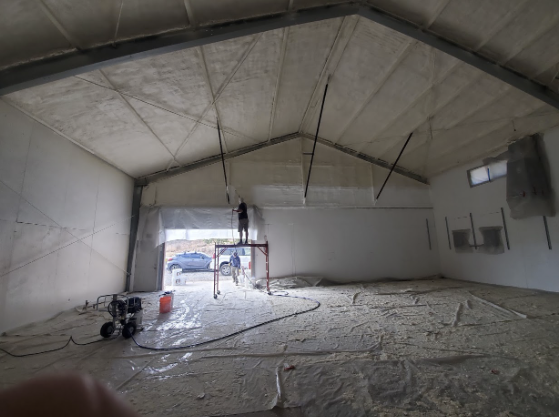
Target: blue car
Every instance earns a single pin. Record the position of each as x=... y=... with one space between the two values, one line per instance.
x=189 y=260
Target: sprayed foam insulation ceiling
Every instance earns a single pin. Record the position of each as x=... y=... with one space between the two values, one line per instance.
x=156 y=113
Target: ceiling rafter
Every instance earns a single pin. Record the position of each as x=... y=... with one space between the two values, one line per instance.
x=57 y=67
x=138 y=116
x=510 y=16
x=190 y=14
x=220 y=90
x=117 y=25
x=72 y=40
x=485 y=152
x=502 y=23
x=491 y=130
x=530 y=40
x=406 y=49
x=457 y=122
x=425 y=130
x=351 y=24
x=544 y=69
x=173 y=172
x=160 y=107
x=283 y=51
x=72 y=63
x=483 y=137
x=183 y=115
x=473 y=58
x=375 y=161
x=158 y=176
x=62 y=134
x=208 y=81
x=363 y=13
x=443 y=4
x=420 y=97
x=380 y=138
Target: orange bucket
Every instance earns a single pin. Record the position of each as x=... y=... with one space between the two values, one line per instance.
x=165 y=304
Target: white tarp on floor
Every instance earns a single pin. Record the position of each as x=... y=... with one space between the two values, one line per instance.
x=416 y=348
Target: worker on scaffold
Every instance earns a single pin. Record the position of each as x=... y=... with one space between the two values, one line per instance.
x=243 y=221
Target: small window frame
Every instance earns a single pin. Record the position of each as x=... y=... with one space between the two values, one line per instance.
x=490 y=178
x=479 y=183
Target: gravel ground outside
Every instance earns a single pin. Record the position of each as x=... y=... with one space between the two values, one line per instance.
x=206 y=275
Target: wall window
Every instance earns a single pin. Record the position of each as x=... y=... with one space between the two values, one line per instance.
x=487 y=173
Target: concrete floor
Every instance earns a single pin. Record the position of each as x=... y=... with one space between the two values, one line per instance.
x=413 y=348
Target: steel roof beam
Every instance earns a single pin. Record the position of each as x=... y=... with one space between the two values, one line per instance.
x=372 y=160
x=173 y=172
x=457 y=51
x=61 y=66
x=78 y=62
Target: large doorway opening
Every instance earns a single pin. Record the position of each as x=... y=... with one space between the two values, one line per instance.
x=188 y=261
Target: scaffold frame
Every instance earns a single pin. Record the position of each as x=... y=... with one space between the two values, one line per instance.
x=218 y=251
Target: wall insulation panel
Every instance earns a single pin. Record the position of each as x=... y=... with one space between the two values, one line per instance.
x=345 y=245
x=339 y=232
x=64 y=222
x=529 y=262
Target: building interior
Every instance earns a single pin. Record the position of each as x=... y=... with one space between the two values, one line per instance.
x=393 y=166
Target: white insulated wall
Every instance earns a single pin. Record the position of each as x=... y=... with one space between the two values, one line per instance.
x=346 y=245
x=64 y=222
x=529 y=263
x=276 y=177
x=338 y=233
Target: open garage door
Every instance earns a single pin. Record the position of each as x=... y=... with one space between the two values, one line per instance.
x=197 y=229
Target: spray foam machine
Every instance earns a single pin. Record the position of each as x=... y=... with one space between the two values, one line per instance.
x=126 y=312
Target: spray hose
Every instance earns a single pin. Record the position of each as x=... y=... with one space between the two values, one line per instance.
x=190 y=346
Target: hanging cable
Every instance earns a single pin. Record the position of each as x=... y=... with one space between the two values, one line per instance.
x=193 y=345
x=71 y=339
x=316 y=136
x=393 y=166
x=223 y=163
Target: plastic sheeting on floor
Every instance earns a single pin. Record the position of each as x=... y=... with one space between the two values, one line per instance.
x=415 y=348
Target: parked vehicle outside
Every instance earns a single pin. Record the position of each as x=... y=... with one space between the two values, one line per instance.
x=189 y=260
x=244 y=254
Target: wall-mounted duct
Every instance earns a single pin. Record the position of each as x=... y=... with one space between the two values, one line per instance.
x=491 y=244
x=461 y=240
x=492 y=240
x=528 y=185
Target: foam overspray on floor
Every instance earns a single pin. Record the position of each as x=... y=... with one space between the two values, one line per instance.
x=415 y=348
